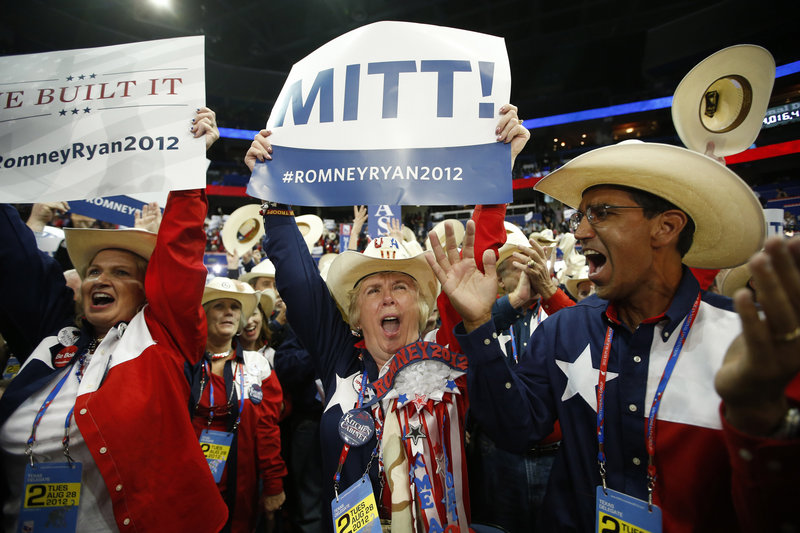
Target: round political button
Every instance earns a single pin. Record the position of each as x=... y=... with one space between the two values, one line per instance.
x=68 y=335
x=255 y=394
x=356 y=427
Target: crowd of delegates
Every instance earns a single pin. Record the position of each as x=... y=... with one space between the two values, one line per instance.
x=240 y=385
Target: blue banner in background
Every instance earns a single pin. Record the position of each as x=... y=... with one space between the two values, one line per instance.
x=422 y=176
x=114 y=209
x=380 y=217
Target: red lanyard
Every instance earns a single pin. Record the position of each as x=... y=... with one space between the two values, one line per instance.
x=650 y=434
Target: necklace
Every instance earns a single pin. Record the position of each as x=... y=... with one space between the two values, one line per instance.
x=218 y=356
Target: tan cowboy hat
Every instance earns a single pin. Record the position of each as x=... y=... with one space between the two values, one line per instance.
x=265 y=269
x=382 y=254
x=243 y=293
x=408 y=234
x=724 y=99
x=266 y=301
x=311 y=227
x=734 y=279
x=545 y=238
x=438 y=229
x=574 y=278
x=514 y=239
x=243 y=229
x=84 y=243
x=729 y=221
x=324 y=264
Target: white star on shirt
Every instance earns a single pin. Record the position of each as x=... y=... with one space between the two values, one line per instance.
x=582 y=378
x=344 y=395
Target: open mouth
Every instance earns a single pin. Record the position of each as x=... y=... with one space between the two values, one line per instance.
x=250 y=329
x=595 y=260
x=101 y=299
x=390 y=325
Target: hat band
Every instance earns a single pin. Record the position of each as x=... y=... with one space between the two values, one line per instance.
x=726 y=104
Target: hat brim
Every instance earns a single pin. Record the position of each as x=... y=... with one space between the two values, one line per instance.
x=439 y=230
x=247 y=300
x=261 y=270
x=311 y=227
x=266 y=301
x=729 y=221
x=230 y=230
x=748 y=62
x=83 y=244
x=351 y=267
x=735 y=279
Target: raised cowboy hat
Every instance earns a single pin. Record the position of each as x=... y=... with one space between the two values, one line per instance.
x=438 y=229
x=84 y=243
x=383 y=254
x=265 y=269
x=729 y=221
x=514 y=239
x=243 y=229
x=724 y=99
x=243 y=293
x=311 y=227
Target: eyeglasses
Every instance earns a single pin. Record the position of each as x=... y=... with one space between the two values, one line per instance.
x=595 y=214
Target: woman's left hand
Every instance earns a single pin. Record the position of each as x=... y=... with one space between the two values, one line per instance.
x=510 y=130
x=273 y=503
x=205 y=123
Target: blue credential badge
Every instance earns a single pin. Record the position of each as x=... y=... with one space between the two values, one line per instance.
x=619 y=512
x=216 y=446
x=355 y=509
x=50 y=498
x=356 y=427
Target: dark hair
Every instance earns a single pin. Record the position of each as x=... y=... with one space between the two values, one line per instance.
x=655 y=205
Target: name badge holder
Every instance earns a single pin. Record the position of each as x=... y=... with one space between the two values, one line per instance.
x=51 y=492
x=616 y=511
x=216 y=445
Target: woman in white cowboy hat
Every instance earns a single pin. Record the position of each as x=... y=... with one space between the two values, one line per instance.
x=100 y=407
x=236 y=402
x=396 y=405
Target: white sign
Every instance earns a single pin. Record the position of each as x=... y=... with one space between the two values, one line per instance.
x=101 y=122
x=391 y=113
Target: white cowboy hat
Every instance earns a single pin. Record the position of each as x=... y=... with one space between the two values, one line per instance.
x=382 y=254
x=544 y=238
x=729 y=221
x=84 y=243
x=438 y=229
x=311 y=227
x=243 y=293
x=265 y=269
x=266 y=301
x=574 y=278
x=724 y=99
x=243 y=229
x=324 y=264
x=514 y=239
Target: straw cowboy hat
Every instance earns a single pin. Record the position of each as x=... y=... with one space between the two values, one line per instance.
x=311 y=227
x=324 y=264
x=438 y=229
x=412 y=245
x=544 y=238
x=724 y=99
x=84 y=243
x=266 y=301
x=243 y=293
x=574 y=278
x=734 y=279
x=729 y=221
x=265 y=269
x=243 y=229
x=382 y=254
x=514 y=239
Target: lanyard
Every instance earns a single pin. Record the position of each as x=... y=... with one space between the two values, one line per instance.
x=538 y=314
x=651 y=419
x=207 y=372
x=80 y=365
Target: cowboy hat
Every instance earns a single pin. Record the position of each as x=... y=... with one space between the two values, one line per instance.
x=515 y=239
x=311 y=227
x=382 y=254
x=575 y=278
x=734 y=279
x=324 y=264
x=438 y=229
x=265 y=269
x=266 y=301
x=724 y=99
x=243 y=293
x=243 y=229
x=544 y=238
x=729 y=221
x=84 y=243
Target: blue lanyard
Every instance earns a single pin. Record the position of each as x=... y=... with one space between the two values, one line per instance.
x=207 y=370
x=651 y=420
x=513 y=344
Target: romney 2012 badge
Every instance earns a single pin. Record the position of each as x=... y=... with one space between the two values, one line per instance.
x=356 y=427
x=255 y=394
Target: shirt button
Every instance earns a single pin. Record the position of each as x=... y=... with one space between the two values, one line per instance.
x=494 y=335
x=525 y=323
x=745 y=454
x=103 y=449
x=524 y=343
x=126 y=521
x=83 y=411
x=637 y=461
x=118 y=488
x=508 y=384
x=637 y=359
x=666 y=334
x=487 y=342
x=632 y=408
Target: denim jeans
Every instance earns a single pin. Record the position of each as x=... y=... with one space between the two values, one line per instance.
x=506 y=489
